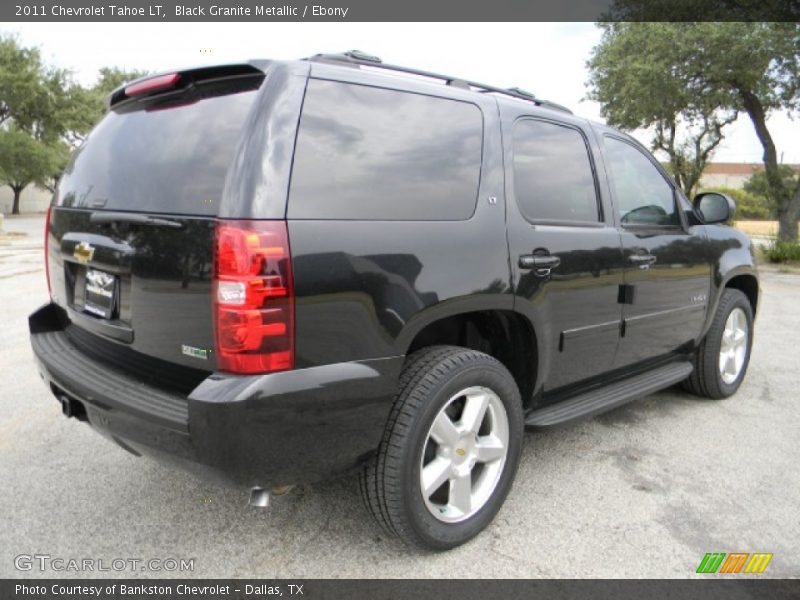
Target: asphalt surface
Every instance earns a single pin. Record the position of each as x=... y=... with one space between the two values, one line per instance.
x=643 y=491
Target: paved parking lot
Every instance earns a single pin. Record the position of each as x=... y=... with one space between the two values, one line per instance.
x=644 y=491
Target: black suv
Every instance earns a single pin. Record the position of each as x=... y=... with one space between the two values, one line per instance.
x=281 y=272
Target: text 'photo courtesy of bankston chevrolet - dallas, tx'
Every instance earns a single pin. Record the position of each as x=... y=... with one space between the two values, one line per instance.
x=67 y=590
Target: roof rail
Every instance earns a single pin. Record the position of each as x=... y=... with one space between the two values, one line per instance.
x=356 y=58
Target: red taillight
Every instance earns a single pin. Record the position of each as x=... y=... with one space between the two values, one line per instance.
x=153 y=84
x=47 y=250
x=253 y=297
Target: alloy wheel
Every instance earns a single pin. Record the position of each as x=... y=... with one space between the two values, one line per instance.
x=464 y=454
x=733 y=349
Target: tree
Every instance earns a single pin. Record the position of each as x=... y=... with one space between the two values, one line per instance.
x=110 y=78
x=633 y=76
x=758 y=185
x=44 y=114
x=757 y=66
x=749 y=66
x=46 y=101
x=88 y=105
x=21 y=84
x=25 y=160
x=60 y=153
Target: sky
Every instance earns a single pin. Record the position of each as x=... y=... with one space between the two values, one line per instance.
x=548 y=59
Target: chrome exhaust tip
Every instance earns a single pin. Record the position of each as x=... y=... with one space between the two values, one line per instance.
x=259 y=497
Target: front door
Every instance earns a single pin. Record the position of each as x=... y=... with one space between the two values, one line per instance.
x=667 y=274
x=566 y=256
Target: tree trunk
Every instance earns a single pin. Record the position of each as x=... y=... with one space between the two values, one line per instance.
x=17 y=193
x=787 y=220
x=787 y=205
x=692 y=180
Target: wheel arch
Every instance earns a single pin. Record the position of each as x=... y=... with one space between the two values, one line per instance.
x=747 y=283
x=743 y=279
x=501 y=333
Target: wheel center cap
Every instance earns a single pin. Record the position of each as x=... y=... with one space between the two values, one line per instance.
x=464 y=450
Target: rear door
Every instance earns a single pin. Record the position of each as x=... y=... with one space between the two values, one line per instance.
x=667 y=271
x=566 y=256
x=132 y=228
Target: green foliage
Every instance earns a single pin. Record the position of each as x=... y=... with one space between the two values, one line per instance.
x=783 y=252
x=44 y=114
x=81 y=108
x=758 y=184
x=728 y=66
x=635 y=74
x=91 y=102
x=748 y=205
x=22 y=91
x=110 y=78
x=25 y=160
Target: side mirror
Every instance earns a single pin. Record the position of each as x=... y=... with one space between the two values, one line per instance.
x=714 y=207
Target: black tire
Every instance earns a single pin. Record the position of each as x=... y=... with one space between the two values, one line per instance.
x=706 y=379
x=390 y=482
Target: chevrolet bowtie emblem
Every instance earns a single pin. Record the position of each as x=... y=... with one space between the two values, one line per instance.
x=83 y=252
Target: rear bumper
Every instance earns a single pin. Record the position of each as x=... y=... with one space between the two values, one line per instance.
x=295 y=426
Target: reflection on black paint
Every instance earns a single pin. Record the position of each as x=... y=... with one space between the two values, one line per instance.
x=164 y=277
x=183 y=255
x=575 y=265
x=388 y=279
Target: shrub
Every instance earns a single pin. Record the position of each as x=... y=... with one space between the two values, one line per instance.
x=783 y=252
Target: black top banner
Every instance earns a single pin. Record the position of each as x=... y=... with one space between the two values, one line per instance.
x=398 y=10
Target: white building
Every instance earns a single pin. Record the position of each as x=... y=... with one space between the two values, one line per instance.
x=730 y=175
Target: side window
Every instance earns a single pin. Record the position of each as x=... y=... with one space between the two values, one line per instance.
x=642 y=195
x=553 y=178
x=374 y=154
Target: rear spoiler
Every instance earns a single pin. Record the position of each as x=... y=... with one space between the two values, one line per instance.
x=178 y=82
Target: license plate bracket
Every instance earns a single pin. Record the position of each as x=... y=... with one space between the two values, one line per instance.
x=100 y=296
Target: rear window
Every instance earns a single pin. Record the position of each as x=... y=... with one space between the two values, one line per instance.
x=375 y=154
x=164 y=159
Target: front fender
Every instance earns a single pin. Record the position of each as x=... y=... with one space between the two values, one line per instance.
x=732 y=255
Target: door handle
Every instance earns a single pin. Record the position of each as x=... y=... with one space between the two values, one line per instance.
x=542 y=264
x=643 y=261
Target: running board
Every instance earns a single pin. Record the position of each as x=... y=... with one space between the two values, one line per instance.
x=607 y=397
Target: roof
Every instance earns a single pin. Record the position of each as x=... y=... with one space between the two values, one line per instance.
x=351 y=59
x=358 y=59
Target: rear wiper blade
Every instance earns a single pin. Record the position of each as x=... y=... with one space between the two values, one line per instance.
x=119 y=217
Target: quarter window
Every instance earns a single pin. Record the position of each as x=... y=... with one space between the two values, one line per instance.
x=641 y=194
x=553 y=177
x=375 y=154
